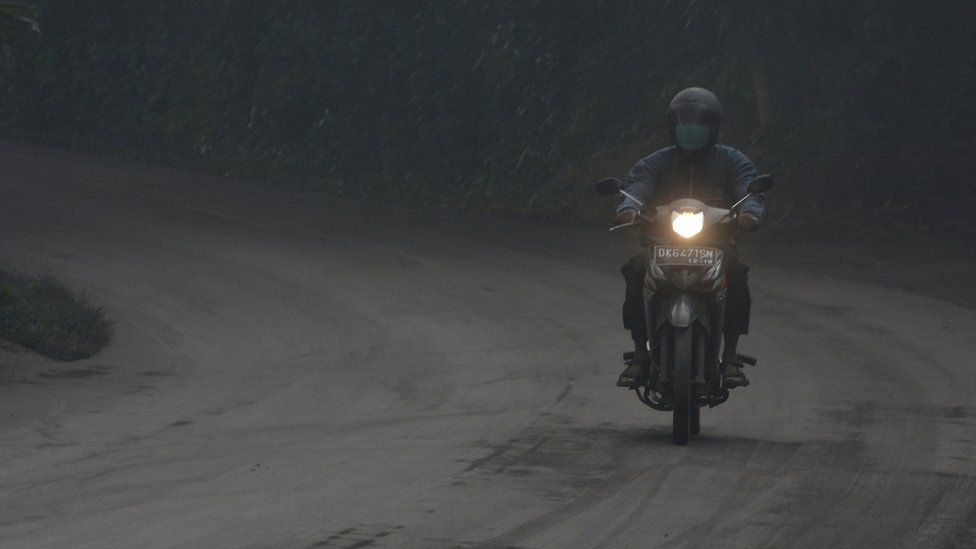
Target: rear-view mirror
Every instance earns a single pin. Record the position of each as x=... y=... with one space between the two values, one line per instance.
x=607 y=187
x=761 y=184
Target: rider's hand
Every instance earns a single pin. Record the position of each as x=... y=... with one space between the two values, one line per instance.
x=747 y=221
x=627 y=216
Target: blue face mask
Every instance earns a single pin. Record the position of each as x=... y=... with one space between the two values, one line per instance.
x=692 y=137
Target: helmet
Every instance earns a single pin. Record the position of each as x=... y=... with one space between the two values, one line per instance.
x=694 y=117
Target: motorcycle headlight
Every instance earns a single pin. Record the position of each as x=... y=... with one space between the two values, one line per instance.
x=687 y=224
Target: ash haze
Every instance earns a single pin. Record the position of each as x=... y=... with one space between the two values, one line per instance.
x=337 y=274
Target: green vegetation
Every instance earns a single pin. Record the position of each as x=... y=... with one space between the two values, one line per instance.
x=17 y=20
x=513 y=106
x=42 y=315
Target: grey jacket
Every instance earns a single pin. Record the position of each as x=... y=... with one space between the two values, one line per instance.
x=718 y=176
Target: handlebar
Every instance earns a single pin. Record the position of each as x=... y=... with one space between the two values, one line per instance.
x=725 y=221
x=758 y=185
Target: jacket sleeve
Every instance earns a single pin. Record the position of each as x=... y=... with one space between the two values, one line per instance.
x=640 y=183
x=742 y=172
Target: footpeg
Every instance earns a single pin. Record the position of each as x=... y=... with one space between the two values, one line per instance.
x=746 y=359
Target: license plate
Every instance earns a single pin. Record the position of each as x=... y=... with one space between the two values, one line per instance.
x=685 y=255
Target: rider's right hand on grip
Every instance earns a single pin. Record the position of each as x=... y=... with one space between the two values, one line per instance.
x=627 y=217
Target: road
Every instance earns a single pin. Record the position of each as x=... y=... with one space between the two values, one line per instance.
x=290 y=371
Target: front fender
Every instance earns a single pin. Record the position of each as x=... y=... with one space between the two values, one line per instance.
x=682 y=309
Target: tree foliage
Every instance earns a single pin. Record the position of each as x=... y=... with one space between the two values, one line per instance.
x=508 y=105
x=17 y=19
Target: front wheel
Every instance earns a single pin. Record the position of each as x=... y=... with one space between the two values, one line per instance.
x=698 y=353
x=681 y=386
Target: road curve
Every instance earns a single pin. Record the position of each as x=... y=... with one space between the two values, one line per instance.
x=290 y=371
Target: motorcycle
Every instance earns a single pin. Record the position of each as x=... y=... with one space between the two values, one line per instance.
x=684 y=302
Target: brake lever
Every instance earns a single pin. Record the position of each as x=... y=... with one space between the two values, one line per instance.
x=623 y=226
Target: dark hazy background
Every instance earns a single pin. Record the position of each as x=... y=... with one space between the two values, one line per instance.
x=858 y=107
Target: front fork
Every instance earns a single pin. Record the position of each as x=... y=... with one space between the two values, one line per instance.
x=716 y=336
x=653 y=342
x=706 y=372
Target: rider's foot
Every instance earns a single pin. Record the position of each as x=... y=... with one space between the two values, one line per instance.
x=633 y=374
x=733 y=375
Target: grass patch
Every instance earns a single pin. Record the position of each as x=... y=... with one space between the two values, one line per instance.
x=41 y=314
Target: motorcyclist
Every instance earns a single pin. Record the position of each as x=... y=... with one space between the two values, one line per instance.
x=695 y=166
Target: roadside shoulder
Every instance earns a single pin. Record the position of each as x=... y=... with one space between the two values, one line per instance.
x=939 y=266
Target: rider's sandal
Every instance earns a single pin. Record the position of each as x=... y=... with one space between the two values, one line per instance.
x=733 y=376
x=632 y=376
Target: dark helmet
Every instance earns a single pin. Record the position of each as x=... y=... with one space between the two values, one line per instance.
x=694 y=117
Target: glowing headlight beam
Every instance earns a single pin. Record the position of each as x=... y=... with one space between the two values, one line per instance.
x=687 y=224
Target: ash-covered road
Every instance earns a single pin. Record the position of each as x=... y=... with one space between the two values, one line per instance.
x=287 y=373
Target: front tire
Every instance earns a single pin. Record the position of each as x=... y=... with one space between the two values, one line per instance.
x=681 y=385
x=699 y=355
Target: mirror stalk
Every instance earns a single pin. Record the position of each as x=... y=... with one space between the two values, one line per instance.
x=632 y=197
x=739 y=203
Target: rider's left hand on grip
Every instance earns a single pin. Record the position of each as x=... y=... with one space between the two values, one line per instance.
x=747 y=221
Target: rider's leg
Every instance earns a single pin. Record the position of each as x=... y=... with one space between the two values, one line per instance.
x=737 y=309
x=636 y=367
x=641 y=354
x=730 y=348
x=633 y=313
